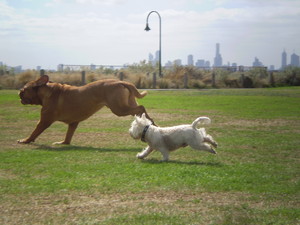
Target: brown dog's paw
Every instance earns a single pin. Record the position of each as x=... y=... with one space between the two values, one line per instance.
x=24 y=141
x=60 y=143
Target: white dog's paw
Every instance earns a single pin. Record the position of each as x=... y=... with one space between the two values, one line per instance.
x=215 y=144
x=213 y=151
x=139 y=156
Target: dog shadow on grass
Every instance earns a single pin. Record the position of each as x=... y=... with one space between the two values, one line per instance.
x=198 y=163
x=64 y=148
x=80 y=148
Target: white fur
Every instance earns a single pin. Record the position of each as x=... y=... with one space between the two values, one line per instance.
x=171 y=138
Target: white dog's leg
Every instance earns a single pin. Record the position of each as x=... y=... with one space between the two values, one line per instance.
x=207 y=137
x=144 y=153
x=204 y=147
x=210 y=140
x=165 y=154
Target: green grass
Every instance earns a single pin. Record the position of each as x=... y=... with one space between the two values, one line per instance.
x=254 y=178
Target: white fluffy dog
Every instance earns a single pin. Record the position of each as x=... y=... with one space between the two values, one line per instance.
x=171 y=138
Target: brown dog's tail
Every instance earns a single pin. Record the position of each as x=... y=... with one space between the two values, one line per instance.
x=135 y=91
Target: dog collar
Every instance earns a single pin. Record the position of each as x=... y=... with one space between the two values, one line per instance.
x=144 y=133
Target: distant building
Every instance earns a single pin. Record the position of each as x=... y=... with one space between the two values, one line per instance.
x=283 y=60
x=218 y=57
x=234 y=67
x=177 y=62
x=168 y=64
x=207 y=64
x=153 y=60
x=272 y=67
x=200 y=63
x=150 y=58
x=295 y=60
x=38 y=68
x=17 y=69
x=257 y=63
x=190 y=60
x=92 y=67
x=60 y=68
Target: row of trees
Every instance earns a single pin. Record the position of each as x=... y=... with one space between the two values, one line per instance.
x=142 y=75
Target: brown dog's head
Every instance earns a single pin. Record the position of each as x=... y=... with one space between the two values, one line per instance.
x=29 y=93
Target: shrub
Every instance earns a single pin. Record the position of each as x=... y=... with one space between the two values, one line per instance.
x=290 y=76
x=163 y=84
x=142 y=77
x=198 y=84
x=247 y=82
x=25 y=77
x=8 y=82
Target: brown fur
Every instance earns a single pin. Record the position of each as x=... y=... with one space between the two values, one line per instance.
x=71 y=105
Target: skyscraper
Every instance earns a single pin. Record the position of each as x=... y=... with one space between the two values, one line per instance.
x=200 y=63
x=218 y=57
x=257 y=63
x=295 y=60
x=190 y=60
x=150 y=59
x=283 y=60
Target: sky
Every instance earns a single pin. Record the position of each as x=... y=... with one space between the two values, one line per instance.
x=111 y=32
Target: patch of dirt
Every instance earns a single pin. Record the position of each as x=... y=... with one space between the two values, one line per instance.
x=257 y=122
x=73 y=208
x=6 y=174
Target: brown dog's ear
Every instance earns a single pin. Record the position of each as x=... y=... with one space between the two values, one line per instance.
x=42 y=80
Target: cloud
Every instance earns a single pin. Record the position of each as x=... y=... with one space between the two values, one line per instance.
x=243 y=31
x=87 y=2
x=101 y=2
x=6 y=11
x=112 y=30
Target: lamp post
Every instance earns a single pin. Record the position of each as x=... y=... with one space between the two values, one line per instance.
x=147 y=29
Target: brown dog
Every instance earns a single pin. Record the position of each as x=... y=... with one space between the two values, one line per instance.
x=71 y=105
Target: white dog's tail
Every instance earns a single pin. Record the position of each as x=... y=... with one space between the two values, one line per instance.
x=203 y=120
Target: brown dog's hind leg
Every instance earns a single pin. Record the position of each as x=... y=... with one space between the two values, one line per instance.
x=126 y=110
x=71 y=129
x=133 y=104
x=143 y=110
x=125 y=104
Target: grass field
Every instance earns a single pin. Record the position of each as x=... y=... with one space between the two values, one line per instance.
x=254 y=178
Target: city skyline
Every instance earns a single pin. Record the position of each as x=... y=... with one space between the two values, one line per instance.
x=200 y=63
x=218 y=61
x=51 y=32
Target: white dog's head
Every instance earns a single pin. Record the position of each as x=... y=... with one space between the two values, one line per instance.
x=138 y=125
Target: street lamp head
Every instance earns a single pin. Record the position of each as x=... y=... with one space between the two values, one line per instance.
x=147 y=27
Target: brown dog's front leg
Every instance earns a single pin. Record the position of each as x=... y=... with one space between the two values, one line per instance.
x=41 y=126
x=71 y=129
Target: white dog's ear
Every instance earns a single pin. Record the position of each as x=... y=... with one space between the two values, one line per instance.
x=137 y=118
x=143 y=116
